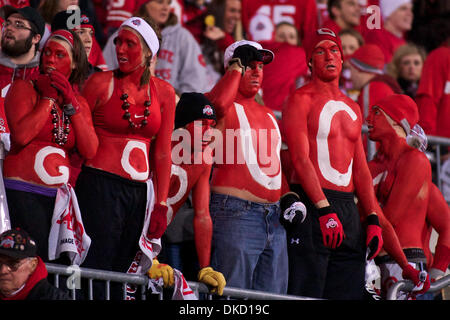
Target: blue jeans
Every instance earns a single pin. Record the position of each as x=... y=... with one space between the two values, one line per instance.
x=249 y=244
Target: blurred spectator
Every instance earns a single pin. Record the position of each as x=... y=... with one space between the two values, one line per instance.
x=322 y=12
x=344 y=14
x=406 y=66
x=15 y=3
x=48 y=9
x=220 y=30
x=433 y=94
x=194 y=13
x=23 y=275
x=368 y=76
x=117 y=12
x=397 y=18
x=259 y=17
x=286 y=32
x=281 y=78
x=180 y=59
x=351 y=41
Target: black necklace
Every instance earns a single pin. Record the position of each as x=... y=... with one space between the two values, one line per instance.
x=127 y=115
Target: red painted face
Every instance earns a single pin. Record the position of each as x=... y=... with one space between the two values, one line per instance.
x=327 y=61
x=252 y=79
x=57 y=55
x=200 y=129
x=129 y=50
x=378 y=124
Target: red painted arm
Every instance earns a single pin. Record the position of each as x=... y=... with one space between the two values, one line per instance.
x=202 y=219
x=162 y=144
x=85 y=136
x=294 y=122
x=26 y=113
x=224 y=92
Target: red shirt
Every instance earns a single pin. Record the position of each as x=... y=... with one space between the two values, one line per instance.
x=433 y=94
x=279 y=76
x=259 y=17
x=387 y=42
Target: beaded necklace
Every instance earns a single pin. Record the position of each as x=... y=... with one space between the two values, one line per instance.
x=61 y=126
x=127 y=116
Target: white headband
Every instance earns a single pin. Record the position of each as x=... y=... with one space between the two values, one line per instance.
x=145 y=30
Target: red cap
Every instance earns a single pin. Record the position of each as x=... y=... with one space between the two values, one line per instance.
x=321 y=35
x=402 y=109
x=368 y=58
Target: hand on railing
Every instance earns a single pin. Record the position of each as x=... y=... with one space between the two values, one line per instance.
x=419 y=278
x=162 y=270
x=212 y=278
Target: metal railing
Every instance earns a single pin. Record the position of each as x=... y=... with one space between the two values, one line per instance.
x=408 y=286
x=76 y=274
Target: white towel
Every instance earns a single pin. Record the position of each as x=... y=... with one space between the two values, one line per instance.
x=67 y=232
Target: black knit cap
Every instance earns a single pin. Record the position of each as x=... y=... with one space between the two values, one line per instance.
x=193 y=106
x=65 y=20
x=17 y=244
x=29 y=13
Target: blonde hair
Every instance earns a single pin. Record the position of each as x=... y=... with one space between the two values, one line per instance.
x=393 y=68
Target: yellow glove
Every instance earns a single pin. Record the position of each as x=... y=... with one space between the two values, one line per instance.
x=163 y=270
x=212 y=278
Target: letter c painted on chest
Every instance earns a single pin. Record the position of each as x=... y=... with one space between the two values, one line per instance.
x=323 y=152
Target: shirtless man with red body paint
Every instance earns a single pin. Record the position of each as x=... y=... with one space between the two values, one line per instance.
x=411 y=202
x=249 y=244
x=322 y=128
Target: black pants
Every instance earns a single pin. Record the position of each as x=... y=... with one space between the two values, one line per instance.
x=113 y=211
x=316 y=271
x=33 y=213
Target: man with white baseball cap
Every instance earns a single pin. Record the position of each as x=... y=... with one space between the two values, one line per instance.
x=249 y=243
x=266 y=55
x=397 y=16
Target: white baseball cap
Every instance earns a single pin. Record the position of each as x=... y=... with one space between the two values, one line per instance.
x=229 y=51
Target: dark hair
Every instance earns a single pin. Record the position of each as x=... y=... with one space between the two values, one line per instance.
x=79 y=74
x=354 y=33
x=331 y=4
x=48 y=9
x=142 y=13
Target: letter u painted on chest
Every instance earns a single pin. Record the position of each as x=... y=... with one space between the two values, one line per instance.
x=251 y=160
x=323 y=152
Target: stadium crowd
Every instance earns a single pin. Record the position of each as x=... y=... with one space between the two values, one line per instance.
x=223 y=140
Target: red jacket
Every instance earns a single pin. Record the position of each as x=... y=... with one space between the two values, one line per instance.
x=433 y=94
